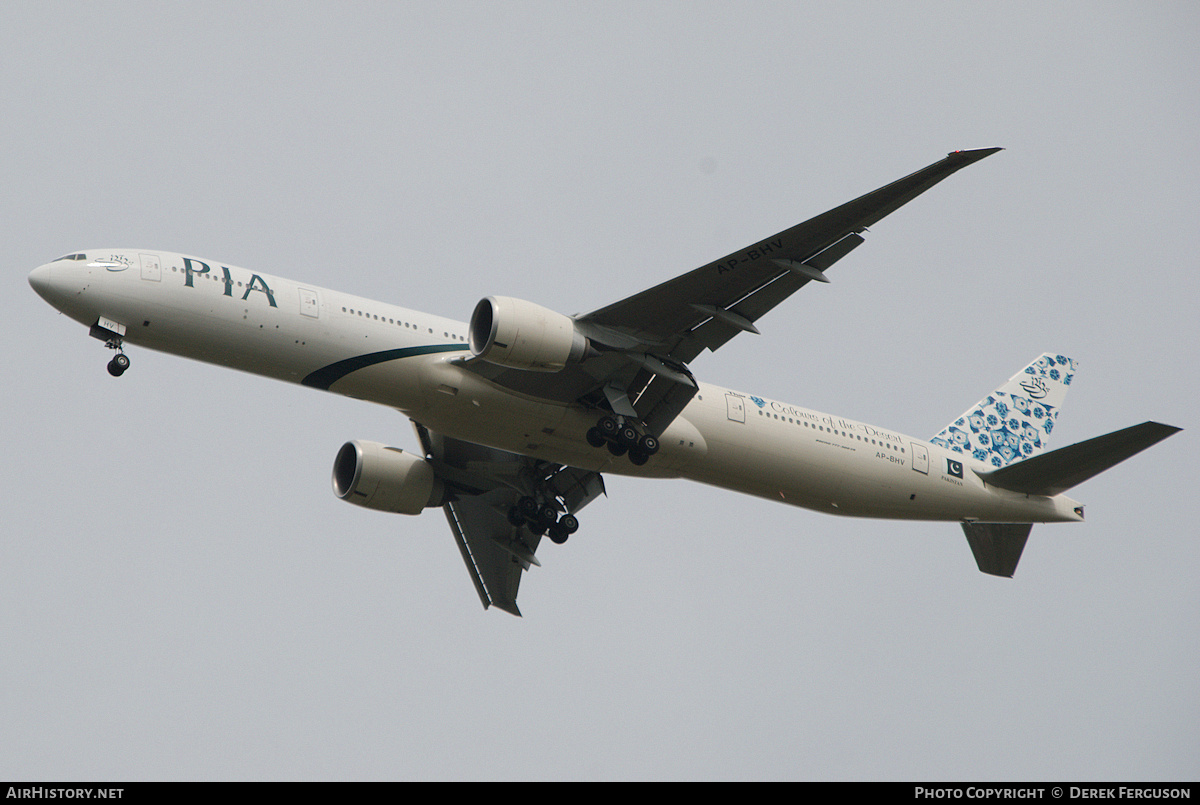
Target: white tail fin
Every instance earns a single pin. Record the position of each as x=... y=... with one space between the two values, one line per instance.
x=1015 y=420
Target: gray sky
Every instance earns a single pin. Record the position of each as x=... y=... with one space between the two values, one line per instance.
x=183 y=597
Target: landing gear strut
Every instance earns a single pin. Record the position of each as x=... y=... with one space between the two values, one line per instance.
x=621 y=438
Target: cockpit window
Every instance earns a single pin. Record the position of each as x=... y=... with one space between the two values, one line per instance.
x=72 y=257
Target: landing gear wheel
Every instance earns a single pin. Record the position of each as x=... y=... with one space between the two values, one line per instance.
x=608 y=427
x=528 y=507
x=629 y=437
x=515 y=518
x=637 y=458
x=567 y=525
x=118 y=365
x=617 y=449
x=648 y=444
x=595 y=437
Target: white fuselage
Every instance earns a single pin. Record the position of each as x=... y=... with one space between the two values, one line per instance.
x=411 y=361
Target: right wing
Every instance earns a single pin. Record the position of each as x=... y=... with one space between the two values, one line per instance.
x=708 y=306
x=486 y=487
x=644 y=342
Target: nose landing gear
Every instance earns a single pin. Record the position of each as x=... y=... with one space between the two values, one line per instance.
x=118 y=365
x=111 y=333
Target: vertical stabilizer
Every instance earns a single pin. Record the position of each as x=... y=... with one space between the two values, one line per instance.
x=1015 y=420
x=997 y=546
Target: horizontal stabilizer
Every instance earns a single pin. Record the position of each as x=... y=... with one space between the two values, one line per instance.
x=1059 y=470
x=997 y=546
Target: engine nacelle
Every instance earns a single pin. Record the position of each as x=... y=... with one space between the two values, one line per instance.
x=521 y=335
x=385 y=478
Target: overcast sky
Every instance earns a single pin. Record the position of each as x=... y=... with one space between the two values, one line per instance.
x=182 y=596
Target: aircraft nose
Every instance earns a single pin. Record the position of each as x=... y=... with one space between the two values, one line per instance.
x=42 y=281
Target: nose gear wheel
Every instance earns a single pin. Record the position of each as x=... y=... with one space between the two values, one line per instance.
x=120 y=361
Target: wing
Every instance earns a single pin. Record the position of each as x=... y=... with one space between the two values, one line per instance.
x=706 y=307
x=489 y=490
x=644 y=343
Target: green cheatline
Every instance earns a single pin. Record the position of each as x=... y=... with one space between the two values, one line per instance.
x=325 y=377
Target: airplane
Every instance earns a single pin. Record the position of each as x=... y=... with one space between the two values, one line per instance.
x=521 y=410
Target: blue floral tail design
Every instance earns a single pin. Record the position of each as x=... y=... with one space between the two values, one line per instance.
x=1015 y=420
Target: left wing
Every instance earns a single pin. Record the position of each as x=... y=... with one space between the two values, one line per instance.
x=501 y=504
x=638 y=369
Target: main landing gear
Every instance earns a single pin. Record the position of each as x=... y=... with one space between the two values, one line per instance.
x=623 y=438
x=542 y=518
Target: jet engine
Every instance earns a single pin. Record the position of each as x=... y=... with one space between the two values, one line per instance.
x=385 y=478
x=521 y=335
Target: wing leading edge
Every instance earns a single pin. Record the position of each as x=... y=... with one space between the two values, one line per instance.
x=706 y=307
x=645 y=341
